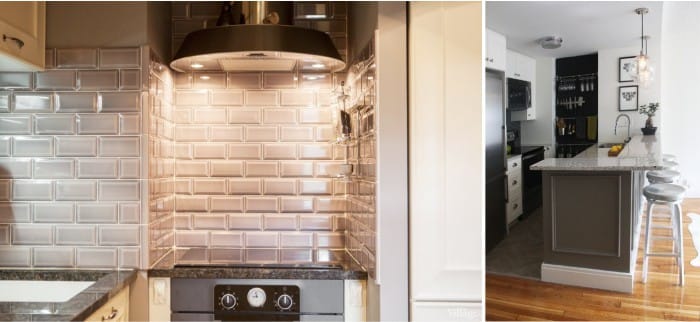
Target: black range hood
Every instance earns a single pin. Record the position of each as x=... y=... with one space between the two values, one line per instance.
x=260 y=45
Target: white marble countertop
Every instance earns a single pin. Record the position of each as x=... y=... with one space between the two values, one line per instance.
x=643 y=152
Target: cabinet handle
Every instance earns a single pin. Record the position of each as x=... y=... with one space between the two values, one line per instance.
x=491 y=60
x=516 y=74
x=515 y=182
x=487 y=59
x=515 y=164
x=18 y=41
x=515 y=206
x=111 y=315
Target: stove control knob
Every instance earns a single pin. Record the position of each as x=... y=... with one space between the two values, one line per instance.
x=256 y=297
x=284 y=302
x=228 y=301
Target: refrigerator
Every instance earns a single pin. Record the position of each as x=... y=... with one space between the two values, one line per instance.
x=495 y=169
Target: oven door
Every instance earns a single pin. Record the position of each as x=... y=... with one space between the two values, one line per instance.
x=532 y=181
x=210 y=317
x=518 y=94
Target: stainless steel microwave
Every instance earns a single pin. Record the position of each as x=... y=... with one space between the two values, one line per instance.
x=519 y=94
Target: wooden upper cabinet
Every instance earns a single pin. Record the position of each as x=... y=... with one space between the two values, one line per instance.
x=22 y=35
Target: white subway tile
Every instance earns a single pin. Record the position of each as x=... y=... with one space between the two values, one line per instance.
x=209 y=186
x=279 y=80
x=226 y=239
x=315 y=222
x=26 y=102
x=76 y=58
x=296 y=134
x=55 y=80
x=129 y=124
x=15 y=168
x=119 y=235
x=5 y=101
x=5 y=189
x=53 y=168
x=226 y=133
x=32 y=190
x=262 y=256
x=279 y=151
x=16 y=80
x=246 y=222
x=261 y=239
x=261 y=169
x=121 y=101
x=53 y=257
x=198 y=97
x=209 y=115
x=243 y=116
x=330 y=240
x=76 y=190
x=315 y=116
x=83 y=235
x=331 y=204
x=243 y=186
x=209 y=80
x=261 y=134
x=120 y=58
x=191 y=168
x=282 y=116
x=326 y=98
x=121 y=190
x=261 y=204
x=15 y=256
x=129 y=79
x=98 y=79
x=96 y=213
x=70 y=102
x=226 y=204
x=67 y=146
x=183 y=151
x=316 y=81
x=129 y=168
x=296 y=240
x=97 y=168
x=298 y=98
x=129 y=257
x=244 y=80
x=98 y=124
x=297 y=204
x=32 y=234
x=53 y=212
x=280 y=186
x=209 y=221
x=296 y=255
x=16 y=124
x=182 y=116
x=191 y=133
x=11 y=212
x=54 y=124
x=183 y=222
x=4 y=146
x=325 y=133
x=278 y=222
x=261 y=98
x=244 y=152
x=183 y=186
x=210 y=151
x=297 y=169
x=315 y=187
x=32 y=146
x=315 y=151
x=227 y=97
x=101 y=257
x=191 y=238
x=191 y=203
x=129 y=213
x=183 y=80
x=226 y=168
x=123 y=146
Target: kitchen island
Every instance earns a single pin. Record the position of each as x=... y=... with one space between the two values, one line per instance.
x=591 y=206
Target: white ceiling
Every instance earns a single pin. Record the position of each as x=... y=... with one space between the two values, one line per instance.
x=584 y=26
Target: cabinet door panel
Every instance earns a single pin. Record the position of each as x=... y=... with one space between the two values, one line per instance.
x=22 y=25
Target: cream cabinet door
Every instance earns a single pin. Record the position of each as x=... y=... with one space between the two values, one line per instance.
x=446 y=161
x=115 y=310
x=495 y=50
x=22 y=35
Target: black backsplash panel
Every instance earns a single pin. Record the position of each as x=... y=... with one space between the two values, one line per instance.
x=576 y=104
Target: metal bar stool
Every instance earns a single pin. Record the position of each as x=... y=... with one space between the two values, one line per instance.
x=663 y=176
x=672 y=195
x=670 y=165
x=668 y=157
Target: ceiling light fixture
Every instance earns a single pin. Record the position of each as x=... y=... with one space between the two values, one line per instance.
x=644 y=71
x=550 y=42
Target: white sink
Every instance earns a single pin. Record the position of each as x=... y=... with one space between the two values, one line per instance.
x=40 y=291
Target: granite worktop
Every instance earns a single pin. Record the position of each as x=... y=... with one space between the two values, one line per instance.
x=196 y=264
x=78 y=308
x=643 y=152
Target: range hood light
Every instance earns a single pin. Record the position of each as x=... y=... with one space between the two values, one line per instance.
x=196 y=65
x=318 y=65
x=204 y=77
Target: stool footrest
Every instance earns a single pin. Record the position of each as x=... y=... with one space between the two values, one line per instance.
x=662 y=254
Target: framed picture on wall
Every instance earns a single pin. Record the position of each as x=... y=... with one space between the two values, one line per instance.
x=629 y=98
x=626 y=69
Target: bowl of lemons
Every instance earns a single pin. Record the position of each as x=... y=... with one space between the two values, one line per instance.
x=615 y=150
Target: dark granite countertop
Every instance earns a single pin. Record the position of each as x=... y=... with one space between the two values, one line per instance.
x=78 y=308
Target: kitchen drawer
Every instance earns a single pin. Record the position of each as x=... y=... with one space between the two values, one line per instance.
x=115 y=310
x=514 y=163
x=515 y=179
x=514 y=207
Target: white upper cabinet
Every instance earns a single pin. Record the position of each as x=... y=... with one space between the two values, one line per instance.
x=22 y=35
x=495 y=50
x=520 y=66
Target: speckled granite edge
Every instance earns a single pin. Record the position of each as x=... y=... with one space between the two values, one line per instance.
x=259 y=273
x=78 y=308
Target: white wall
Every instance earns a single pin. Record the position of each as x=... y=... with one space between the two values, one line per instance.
x=608 y=86
x=540 y=131
x=679 y=88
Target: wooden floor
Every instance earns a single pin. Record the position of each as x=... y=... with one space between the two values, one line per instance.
x=509 y=298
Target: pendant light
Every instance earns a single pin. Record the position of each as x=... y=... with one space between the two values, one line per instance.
x=644 y=71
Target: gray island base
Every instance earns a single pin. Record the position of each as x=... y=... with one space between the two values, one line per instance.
x=592 y=206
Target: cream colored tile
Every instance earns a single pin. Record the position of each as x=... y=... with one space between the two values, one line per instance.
x=191 y=168
x=279 y=151
x=315 y=116
x=210 y=151
x=209 y=115
x=261 y=204
x=226 y=133
x=244 y=116
x=298 y=98
x=280 y=186
x=297 y=169
x=226 y=168
x=297 y=134
x=315 y=151
x=227 y=97
x=209 y=186
x=261 y=169
x=244 y=186
x=261 y=134
x=297 y=204
x=245 y=222
x=226 y=204
x=244 y=151
x=279 y=116
x=261 y=98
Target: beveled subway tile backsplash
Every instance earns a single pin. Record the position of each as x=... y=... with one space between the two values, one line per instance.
x=70 y=159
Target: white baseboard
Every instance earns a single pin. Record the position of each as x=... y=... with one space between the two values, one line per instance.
x=586 y=277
